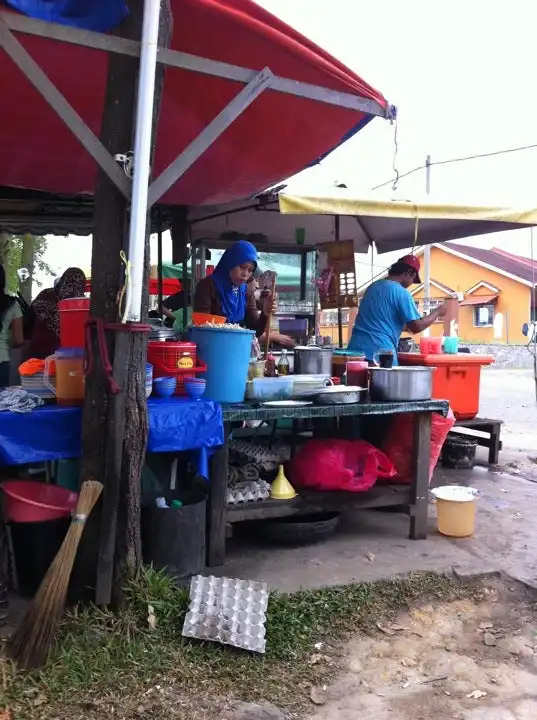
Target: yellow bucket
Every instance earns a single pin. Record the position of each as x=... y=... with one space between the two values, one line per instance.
x=456 y=507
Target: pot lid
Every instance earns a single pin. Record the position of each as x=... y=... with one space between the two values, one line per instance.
x=340 y=389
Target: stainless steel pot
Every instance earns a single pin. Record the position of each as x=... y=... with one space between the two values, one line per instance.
x=341 y=395
x=401 y=384
x=313 y=360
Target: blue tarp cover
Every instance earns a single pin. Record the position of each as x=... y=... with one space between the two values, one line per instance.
x=98 y=15
x=54 y=433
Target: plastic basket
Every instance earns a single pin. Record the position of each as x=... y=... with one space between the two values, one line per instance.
x=177 y=359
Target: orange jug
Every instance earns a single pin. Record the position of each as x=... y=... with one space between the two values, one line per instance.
x=70 y=382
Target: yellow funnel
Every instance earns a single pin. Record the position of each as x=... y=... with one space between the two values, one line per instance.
x=281 y=488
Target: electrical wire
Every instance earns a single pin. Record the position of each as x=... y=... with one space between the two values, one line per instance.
x=398 y=176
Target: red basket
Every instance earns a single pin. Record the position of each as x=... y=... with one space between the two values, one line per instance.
x=174 y=358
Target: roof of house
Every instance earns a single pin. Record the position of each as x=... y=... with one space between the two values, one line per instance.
x=514 y=266
x=441 y=286
x=521 y=267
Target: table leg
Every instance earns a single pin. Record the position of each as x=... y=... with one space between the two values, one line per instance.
x=216 y=511
x=420 y=479
x=494 y=447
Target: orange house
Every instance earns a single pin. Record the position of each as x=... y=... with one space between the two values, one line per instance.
x=494 y=289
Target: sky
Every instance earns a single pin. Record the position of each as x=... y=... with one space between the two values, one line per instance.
x=462 y=75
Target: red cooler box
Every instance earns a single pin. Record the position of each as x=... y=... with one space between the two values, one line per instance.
x=456 y=378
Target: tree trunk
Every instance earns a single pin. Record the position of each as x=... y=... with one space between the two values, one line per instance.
x=122 y=518
x=28 y=262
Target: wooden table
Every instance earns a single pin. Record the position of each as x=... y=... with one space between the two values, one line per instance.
x=415 y=496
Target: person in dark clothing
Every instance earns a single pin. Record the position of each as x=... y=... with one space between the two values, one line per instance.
x=46 y=334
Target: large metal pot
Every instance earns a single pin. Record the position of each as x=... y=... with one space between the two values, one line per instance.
x=401 y=384
x=313 y=360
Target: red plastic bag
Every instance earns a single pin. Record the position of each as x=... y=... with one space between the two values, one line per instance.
x=352 y=465
x=399 y=445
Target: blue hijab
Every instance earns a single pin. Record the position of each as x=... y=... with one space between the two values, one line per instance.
x=233 y=299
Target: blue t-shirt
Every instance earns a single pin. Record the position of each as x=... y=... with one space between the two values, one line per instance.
x=384 y=311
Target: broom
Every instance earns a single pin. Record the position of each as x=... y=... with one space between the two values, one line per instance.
x=31 y=642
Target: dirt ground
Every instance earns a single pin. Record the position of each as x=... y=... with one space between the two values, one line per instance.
x=456 y=661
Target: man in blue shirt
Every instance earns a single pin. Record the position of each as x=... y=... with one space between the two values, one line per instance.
x=387 y=308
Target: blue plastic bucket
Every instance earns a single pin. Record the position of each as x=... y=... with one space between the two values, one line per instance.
x=227 y=355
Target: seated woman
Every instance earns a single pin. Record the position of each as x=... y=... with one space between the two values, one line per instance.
x=228 y=293
x=46 y=333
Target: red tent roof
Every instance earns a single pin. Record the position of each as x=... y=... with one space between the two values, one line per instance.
x=278 y=135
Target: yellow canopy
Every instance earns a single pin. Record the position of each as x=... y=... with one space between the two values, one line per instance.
x=391 y=224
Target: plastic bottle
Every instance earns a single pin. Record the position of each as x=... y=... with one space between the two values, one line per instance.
x=270 y=366
x=283 y=364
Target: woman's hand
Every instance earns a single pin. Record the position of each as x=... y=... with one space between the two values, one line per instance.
x=284 y=340
x=269 y=304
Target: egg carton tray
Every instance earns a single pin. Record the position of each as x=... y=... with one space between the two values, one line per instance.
x=228 y=611
x=248 y=492
x=259 y=453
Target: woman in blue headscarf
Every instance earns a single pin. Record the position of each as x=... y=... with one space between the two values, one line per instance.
x=228 y=292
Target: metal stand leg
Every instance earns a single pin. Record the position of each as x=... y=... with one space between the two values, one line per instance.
x=216 y=511
x=420 y=479
x=494 y=447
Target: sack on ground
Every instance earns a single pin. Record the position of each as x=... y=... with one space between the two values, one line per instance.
x=351 y=465
x=399 y=444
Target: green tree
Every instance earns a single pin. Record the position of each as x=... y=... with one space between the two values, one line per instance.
x=23 y=251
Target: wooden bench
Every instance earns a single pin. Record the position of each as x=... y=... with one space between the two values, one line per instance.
x=483 y=426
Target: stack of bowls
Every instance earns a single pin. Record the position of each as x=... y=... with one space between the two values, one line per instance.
x=164 y=387
x=35 y=385
x=148 y=379
x=195 y=387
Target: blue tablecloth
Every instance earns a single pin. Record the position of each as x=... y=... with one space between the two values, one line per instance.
x=54 y=433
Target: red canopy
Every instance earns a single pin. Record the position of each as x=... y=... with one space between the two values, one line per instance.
x=278 y=135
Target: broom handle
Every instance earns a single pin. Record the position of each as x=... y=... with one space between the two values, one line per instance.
x=269 y=321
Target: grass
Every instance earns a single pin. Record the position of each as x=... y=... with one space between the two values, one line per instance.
x=113 y=665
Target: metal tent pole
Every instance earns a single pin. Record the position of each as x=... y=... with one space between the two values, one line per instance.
x=427 y=251
x=159 y=259
x=142 y=156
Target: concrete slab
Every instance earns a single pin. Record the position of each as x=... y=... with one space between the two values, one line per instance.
x=373 y=545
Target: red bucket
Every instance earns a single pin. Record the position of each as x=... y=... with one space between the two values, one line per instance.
x=31 y=501
x=73 y=316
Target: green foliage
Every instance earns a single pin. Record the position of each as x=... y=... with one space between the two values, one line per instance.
x=23 y=251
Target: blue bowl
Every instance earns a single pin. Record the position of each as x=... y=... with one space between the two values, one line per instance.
x=195 y=390
x=164 y=387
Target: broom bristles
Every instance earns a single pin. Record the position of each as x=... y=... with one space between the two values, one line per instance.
x=32 y=640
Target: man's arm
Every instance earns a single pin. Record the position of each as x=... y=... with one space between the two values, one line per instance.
x=418 y=326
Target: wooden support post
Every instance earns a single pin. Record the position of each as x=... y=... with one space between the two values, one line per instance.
x=115 y=433
x=216 y=509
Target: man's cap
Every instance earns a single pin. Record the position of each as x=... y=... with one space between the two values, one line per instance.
x=413 y=262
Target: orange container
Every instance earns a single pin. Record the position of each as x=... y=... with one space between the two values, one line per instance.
x=202 y=318
x=457 y=379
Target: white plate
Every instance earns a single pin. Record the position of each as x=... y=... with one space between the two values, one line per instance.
x=286 y=403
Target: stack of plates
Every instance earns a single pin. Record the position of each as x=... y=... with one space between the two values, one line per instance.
x=35 y=384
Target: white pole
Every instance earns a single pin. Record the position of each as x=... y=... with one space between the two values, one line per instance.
x=142 y=156
x=427 y=250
